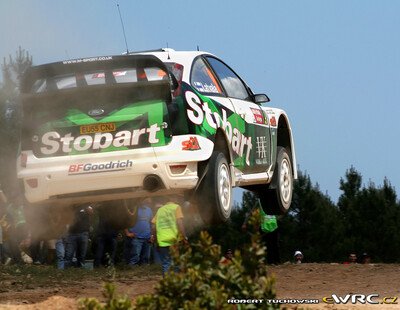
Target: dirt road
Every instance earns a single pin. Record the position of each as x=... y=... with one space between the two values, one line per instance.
x=48 y=288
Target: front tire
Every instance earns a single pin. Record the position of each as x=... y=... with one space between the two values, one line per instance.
x=276 y=201
x=214 y=196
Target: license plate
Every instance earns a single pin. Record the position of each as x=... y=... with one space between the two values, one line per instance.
x=101 y=127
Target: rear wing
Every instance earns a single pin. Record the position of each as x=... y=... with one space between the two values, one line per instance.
x=47 y=74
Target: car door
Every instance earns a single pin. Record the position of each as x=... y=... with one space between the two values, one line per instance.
x=255 y=140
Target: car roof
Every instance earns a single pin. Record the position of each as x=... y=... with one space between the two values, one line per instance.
x=166 y=55
x=169 y=54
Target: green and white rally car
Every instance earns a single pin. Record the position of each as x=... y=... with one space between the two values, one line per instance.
x=150 y=124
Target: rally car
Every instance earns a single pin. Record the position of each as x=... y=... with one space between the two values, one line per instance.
x=150 y=124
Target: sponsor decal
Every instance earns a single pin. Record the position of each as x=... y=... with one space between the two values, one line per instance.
x=199 y=111
x=82 y=60
x=90 y=168
x=261 y=150
x=272 y=121
x=53 y=142
x=191 y=145
x=258 y=116
x=81 y=132
x=261 y=147
x=206 y=88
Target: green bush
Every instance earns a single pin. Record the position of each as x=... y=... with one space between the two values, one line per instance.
x=204 y=283
x=113 y=301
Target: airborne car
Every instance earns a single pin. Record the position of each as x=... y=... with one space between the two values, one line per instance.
x=150 y=124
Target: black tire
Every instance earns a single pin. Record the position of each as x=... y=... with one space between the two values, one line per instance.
x=277 y=200
x=214 y=195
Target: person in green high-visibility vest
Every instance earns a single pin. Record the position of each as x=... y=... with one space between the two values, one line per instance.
x=269 y=233
x=167 y=230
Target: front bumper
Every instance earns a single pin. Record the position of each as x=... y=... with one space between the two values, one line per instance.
x=112 y=175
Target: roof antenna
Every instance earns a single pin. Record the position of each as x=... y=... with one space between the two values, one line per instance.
x=123 y=28
x=168 y=52
x=198 y=48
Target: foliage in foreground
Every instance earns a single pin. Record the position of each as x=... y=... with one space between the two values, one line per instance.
x=113 y=301
x=204 y=282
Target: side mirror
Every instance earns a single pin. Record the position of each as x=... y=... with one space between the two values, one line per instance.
x=261 y=98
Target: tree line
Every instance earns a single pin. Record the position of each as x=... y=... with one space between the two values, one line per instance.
x=365 y=218
x=12 y=69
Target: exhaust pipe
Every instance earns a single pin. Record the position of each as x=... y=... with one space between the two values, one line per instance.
x=152 y=183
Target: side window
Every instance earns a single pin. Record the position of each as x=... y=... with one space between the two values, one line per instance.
x=233 y=85
x=203 y=79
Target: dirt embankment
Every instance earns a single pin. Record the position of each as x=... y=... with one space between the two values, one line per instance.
x=52 y=289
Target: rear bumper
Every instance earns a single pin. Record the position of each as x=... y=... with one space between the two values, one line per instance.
x=112 y=175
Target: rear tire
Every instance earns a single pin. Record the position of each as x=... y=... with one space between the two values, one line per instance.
x=276 y=201
x=214 y=195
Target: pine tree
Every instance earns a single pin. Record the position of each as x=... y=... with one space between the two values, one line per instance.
x=313 y=224
x=11 y=116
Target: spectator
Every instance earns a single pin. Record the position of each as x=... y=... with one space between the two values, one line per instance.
x=19 y=237
x=269 y=233
x=167 y=229
x=352 y=259
x=51 y=251
x=60 y=253
x=4 y=228
x=106 y=239
x=3 y=223
x=58 y=221
x=36 y=251
x=227 y=258
x=298 y=257
x=365 y=258
x=155 y=254
x=138 y=237
x=78 y=236
x=1 y=243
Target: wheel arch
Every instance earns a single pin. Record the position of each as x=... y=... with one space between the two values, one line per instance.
x=207 y=192
x=221 y=143
x=285 y=139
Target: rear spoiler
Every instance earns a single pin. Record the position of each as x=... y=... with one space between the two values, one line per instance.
x=87 y=64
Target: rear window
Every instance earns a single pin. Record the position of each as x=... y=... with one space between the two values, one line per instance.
x=99 y=77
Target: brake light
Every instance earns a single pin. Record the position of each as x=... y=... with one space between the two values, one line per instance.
x=32 y=183
x=23 y=160
x=190 y=145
